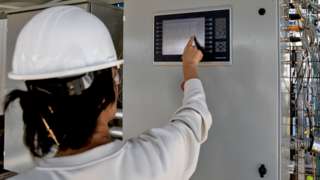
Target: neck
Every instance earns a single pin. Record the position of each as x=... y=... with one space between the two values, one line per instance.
x=98 y=139
x=100 y=136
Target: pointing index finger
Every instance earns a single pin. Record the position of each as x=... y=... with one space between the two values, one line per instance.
x=190 y=42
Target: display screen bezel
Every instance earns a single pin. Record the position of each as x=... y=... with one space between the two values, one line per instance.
x=210 y=58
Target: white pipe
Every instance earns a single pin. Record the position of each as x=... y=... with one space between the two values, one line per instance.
x=119 y=114
x=9 y=6
x=116 y=132
x=53 y=2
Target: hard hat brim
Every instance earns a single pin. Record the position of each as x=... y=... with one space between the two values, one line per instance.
x=68 y=73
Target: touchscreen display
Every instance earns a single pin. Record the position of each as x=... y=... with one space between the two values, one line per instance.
x=211 y=28
x=176 y=34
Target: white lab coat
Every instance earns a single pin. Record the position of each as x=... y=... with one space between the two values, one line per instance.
x=167 y=153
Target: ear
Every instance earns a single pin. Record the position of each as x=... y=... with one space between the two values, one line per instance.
x=108 y=113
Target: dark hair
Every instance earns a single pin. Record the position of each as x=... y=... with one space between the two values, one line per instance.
x=71 y=114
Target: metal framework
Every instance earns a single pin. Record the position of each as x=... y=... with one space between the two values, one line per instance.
x=300 y=81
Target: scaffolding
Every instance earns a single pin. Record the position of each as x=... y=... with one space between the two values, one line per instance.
x=300 y=82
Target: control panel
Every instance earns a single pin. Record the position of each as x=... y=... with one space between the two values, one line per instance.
x=212 y=30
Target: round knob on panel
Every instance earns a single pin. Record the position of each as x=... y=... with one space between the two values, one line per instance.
x=262 y=11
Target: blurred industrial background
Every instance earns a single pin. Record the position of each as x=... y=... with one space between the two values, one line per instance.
x=273 y=135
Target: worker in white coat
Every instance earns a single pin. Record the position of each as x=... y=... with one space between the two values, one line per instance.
x=67 y=60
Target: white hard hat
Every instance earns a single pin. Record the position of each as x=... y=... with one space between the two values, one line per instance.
x=60 y=42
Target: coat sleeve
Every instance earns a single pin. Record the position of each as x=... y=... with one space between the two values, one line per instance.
x=173 y=150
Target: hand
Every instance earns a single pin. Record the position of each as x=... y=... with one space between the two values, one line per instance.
x=190 y=59
x=191 y=55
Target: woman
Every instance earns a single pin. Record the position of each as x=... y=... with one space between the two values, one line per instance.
x=67 y=60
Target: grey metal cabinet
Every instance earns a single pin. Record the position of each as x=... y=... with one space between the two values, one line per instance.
x=243 y=97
